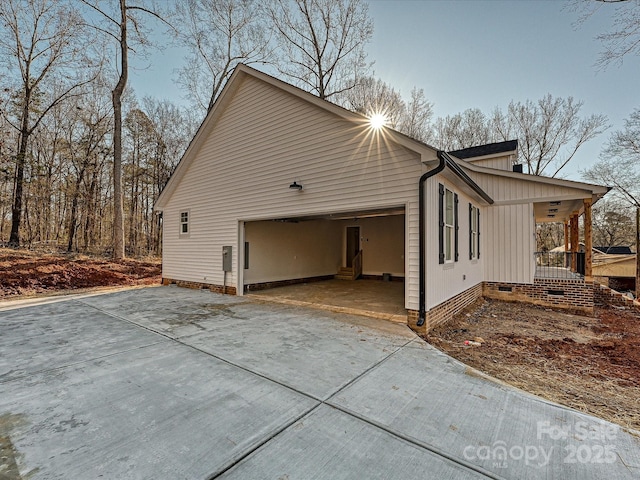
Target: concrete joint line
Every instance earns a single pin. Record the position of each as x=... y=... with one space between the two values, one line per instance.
x=232 y=463
x=371 y=367
x=209 y=354
x=80 y=362
x=418 y=443
x=321 y=401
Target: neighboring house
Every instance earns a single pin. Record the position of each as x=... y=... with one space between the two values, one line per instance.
x=279 y=186
x=615 y=250
x=615 y=267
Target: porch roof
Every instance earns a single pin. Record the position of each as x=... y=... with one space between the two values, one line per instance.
x=554 y=199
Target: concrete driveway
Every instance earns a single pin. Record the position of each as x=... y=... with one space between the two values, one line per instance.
x=170 y=383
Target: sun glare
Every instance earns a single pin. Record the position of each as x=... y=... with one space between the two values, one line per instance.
x=377 y=120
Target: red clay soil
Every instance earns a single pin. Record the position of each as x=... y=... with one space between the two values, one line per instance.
x=25 y=273
x=591 y=364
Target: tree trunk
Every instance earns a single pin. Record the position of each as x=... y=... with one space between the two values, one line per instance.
x=16 y=210
x=116 y=98
x=73 y=221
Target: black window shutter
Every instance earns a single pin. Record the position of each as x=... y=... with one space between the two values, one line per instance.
x=478 y=227
x=441 y=223
x=455 y=225
x=470 y=231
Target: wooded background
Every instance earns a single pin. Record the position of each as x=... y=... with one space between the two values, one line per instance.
x=83 y=158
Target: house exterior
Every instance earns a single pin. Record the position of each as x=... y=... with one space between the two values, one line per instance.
x=279 y=186
x=616 y=270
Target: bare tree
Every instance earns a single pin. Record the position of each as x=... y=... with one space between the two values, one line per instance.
x=619 y=167
x=220 y=34
x=549 y=236
x=624 y=38
x=43 y=49
x=550 y=131
x=86 y=129
x=462 y=130
x=416 y=121
x=613 y=223
x=372 y=96
x=323 y=42
x=116 y=26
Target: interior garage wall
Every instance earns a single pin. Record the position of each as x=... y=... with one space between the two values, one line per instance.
x=382 y=244
x=286 y=251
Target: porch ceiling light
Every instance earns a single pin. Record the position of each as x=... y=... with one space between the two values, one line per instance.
x=555 y=204
x=553 y=210
x=295 y=186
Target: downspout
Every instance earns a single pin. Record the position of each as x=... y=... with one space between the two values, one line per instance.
x=421 y=227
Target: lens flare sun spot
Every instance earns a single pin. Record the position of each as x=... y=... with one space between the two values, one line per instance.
x=377 y=121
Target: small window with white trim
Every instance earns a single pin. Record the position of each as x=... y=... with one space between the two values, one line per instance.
x=184 y=223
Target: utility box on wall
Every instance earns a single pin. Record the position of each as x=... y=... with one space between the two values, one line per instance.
x=227 y=255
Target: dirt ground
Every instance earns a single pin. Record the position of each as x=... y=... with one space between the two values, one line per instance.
x=590 y=364
x=24 y=273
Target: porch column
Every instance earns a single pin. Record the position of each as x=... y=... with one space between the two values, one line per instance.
x=566 y=243
x=588 y=256
x=574 y=240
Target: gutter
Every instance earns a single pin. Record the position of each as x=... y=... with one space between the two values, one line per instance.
x=445 y=161
x=422 y=254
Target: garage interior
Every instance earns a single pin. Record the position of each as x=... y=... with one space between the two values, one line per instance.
x=350 y=262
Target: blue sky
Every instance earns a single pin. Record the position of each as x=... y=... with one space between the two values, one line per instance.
x=478 y=54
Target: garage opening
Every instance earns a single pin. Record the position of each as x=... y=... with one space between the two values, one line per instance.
x=349 y=262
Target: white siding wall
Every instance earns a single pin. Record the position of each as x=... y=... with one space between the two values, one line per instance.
x=382 y=244
x=446 y=280
x=263 y=141
x=516 y=190
x=508 y=240
x=504 y=162
x=284 y=251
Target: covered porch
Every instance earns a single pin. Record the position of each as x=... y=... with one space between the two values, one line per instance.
x=573 y=259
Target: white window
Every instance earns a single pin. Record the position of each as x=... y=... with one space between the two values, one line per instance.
x=184 y=223
x=449 y=226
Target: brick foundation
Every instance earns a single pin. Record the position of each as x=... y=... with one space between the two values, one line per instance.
x=447 y=309
x=606 y=296
x=200 y=286
x=575 y=295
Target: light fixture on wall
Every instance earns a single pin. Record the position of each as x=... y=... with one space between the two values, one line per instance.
x=296 y=186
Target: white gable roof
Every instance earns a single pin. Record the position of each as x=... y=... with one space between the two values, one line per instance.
x=426 y=152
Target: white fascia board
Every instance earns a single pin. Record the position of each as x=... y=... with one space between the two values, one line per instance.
x=596 y=190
